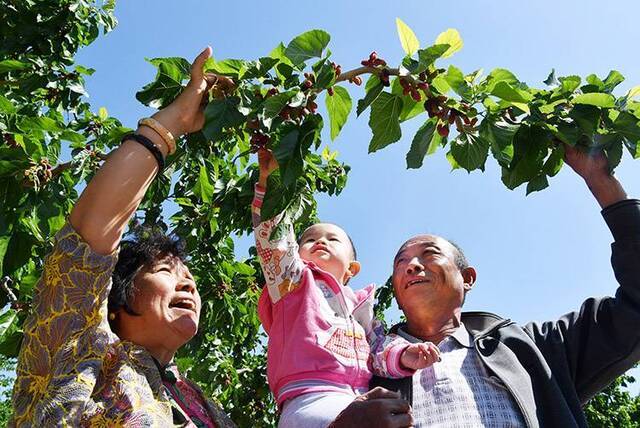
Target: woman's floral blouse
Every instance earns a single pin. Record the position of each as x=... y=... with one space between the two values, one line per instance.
x=73 y=370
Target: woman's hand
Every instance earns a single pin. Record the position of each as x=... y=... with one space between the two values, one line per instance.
x=186 y=113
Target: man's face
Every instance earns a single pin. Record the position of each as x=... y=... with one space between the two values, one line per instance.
x=168 y=302
x=329 y=247
x=425 y=276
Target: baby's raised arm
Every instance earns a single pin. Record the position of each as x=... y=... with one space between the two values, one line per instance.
x=281 y=264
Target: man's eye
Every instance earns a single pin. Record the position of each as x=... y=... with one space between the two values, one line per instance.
x=334 y=239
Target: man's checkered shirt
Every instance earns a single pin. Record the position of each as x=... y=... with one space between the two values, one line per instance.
x=458 y=391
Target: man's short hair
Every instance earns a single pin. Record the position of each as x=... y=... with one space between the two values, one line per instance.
x=460 y=259
x=141 y=248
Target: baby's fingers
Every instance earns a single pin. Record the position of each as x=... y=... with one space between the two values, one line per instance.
x=432 y=352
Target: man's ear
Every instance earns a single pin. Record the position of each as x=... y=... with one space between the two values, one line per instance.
x=469 y=276
x=354 y=268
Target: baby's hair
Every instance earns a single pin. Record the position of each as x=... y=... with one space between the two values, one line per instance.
x=353 y=247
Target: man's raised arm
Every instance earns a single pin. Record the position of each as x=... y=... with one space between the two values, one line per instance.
x=601 y=340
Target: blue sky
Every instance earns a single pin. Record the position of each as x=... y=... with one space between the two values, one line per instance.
x=537 y=257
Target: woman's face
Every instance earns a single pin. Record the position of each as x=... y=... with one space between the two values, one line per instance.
x=168 y=305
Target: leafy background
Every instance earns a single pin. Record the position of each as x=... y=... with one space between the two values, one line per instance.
x=525 y=249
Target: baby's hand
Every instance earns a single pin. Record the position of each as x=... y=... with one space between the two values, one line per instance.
x=420 y=355
x=267 y=163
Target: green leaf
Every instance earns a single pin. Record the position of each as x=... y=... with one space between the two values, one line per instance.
x=7 y=319
x=470 y=152
x=456 y=81
x=569 y=84
x=279 y=53
x=586 y=117
x=307 y=45
x=12 y=65
x=408 y=39
x=220 y=114
x=103 y=114
x=507 y=92
x=595 y=99
x=440 y=84
x=551 y=78
x=384 y=121
x=500 y=137
x=628 y=126
x=277 y=198
x=6 y=105
x=289 y=157
x=554 y=162
x=234 y=68
x=338 y=108
x=274 y=104
x=529 y=150
x=259 y=68
x=373 y=88
x=44 y=124
x=613 y=152
x=203 y=187
x=4 y=244
x=500 y=75
x=452 y=161
x=633 y=92
x=613 y=79
x=538 y=183
x=452 y=38
x=167 y=84
x=568 y=133
x=73 y=137
x=326 y=76
x=410 y=107
x=425 y=142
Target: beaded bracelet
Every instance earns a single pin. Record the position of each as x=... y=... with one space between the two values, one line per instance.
x=155 y=151
x=163 y=132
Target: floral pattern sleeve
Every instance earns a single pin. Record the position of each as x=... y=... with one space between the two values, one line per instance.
x=66 y=336
x=281 y=264
x=385 y=350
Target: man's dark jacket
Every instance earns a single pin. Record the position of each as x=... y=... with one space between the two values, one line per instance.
x=553 y=368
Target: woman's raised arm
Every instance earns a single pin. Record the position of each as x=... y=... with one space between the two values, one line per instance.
x=112 y=196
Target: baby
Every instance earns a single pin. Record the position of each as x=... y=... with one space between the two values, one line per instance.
x=324 y=342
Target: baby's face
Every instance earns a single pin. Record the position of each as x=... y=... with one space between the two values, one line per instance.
x=329 y=247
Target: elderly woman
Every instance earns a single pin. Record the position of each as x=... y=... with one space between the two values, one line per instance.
x=98 y=351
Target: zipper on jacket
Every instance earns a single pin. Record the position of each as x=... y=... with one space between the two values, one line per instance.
x=355 y=347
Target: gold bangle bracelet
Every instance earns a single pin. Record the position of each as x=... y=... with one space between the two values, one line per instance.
x=163 y=132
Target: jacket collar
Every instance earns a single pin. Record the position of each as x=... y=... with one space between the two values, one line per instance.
x=460 y=335
x=476 y=324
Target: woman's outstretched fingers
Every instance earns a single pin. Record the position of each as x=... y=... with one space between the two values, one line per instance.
x=197 y=67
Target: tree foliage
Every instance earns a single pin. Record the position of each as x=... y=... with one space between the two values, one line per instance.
x=53 y=141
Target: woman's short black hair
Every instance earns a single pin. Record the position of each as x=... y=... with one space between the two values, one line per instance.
x=141 y=248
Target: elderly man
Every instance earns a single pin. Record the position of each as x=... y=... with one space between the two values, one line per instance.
x=496 y=373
